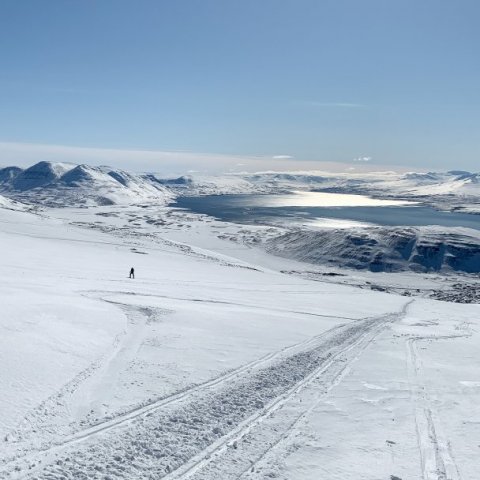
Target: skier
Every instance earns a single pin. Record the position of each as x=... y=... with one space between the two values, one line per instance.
x=132 y=273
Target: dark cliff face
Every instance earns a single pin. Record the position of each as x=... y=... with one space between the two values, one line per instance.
x=383 y=249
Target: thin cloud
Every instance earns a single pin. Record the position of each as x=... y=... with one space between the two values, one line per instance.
x=362 y=159
x=282 y=157
x=313 y=103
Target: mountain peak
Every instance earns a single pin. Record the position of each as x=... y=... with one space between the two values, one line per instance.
x=40 y=174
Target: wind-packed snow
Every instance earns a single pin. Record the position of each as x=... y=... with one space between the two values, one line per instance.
x=221 y=361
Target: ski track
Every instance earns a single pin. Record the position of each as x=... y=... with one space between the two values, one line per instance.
x=104 y=379
x=45 y=417
x=184 y=431
x=336 y=378
x=224 y=302
x=437 y=460
x=37 y=420
x=260 y=438
x=60 y=405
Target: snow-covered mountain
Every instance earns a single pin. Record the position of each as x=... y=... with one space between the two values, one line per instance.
x=60 y=184
x=38 y=175
x=9 y=173
x=195 y=184
x=433 y=184
x=455 y=182
x=453 y=190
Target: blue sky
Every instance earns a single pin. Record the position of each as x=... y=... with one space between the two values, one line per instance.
x=391 y=82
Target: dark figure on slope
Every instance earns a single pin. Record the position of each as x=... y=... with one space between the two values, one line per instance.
x=132 y=273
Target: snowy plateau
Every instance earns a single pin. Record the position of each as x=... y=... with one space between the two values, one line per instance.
x=239 y=350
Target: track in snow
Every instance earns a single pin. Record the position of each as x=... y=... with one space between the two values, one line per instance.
x=438 y=462
x=37 y=454
x=237 y=455
x=52 y=417
x=184 y=431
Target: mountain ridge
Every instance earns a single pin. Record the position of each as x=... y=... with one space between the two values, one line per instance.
x=60 y=184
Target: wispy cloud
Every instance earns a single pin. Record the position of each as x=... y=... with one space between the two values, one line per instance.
x=362 y=159
x=282 y=157
x=319 y=104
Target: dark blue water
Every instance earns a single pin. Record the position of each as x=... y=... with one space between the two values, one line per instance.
x=249 y=209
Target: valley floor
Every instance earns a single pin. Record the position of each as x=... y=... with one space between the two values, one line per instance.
x=212 y=364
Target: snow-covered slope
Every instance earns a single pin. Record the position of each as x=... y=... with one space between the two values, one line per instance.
x=453 y=183
x=211 y=367
x=9 y=204
x=382 y=249
x=58 y=184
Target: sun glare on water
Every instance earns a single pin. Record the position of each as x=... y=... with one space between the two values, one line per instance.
x=323 y=199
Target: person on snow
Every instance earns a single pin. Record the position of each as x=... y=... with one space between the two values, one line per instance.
x=132 y=273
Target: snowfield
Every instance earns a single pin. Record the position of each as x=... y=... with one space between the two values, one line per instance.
x=220 y=361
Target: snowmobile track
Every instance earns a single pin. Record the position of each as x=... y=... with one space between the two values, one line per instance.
x=227 y=408
x=143 y=410
x=193 y=469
